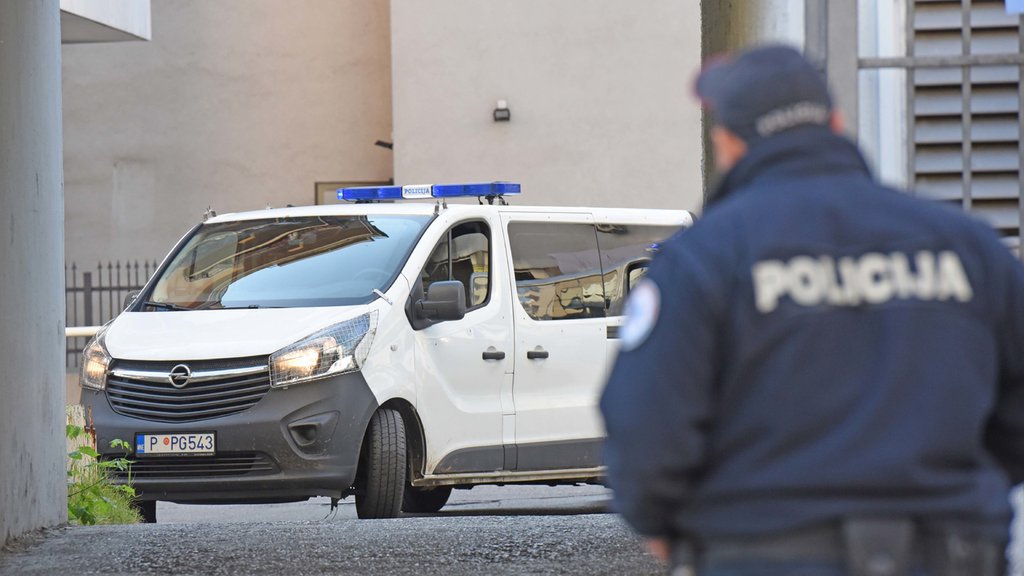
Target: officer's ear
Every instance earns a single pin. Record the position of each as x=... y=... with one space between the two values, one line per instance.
x=727 y=147
x=837 y=122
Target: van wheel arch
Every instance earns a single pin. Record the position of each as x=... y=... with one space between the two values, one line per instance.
x=417 y=500
x=373 y=492
x=415 y=439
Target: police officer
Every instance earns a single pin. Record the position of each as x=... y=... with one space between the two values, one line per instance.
x=823 y=375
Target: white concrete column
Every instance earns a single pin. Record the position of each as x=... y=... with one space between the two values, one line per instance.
x=32 y=479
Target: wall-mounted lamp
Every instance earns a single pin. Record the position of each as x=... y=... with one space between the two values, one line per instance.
x=501 y=112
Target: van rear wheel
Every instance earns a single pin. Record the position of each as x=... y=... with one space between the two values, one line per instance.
x=382 y=467
x=425 y=500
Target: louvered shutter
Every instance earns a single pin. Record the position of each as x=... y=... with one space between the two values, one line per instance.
x=966 y=146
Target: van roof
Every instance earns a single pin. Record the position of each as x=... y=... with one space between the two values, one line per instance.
x=426 y=208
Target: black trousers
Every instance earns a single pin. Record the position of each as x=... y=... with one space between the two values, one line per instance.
x=853 y=547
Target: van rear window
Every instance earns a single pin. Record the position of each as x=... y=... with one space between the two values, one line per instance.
x=286 y=262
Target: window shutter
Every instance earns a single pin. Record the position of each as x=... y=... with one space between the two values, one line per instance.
x=966 y=122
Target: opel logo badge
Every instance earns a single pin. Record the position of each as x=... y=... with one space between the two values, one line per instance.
x=180 y=375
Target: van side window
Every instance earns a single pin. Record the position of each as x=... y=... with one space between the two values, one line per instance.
x=557 y=270
x=625 y=251
x=438 y=266
x=464 y=254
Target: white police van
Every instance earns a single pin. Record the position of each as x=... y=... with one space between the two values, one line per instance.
x=390 y=351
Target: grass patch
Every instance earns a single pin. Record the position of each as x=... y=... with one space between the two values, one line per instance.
x=93 y=497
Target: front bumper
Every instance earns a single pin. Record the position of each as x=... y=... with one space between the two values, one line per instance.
x=295 y=443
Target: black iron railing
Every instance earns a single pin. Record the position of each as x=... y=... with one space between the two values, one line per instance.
x=94 y=297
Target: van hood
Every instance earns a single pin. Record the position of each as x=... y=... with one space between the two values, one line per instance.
x=215 y=334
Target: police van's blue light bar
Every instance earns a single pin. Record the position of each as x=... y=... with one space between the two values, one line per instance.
x=480 y=190
x=483 y=189
x=367 y=193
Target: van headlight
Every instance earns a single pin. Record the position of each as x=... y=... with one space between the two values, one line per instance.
x=338 y=349
x=95 y=362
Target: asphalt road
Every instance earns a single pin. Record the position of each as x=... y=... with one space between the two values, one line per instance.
x=486 y=530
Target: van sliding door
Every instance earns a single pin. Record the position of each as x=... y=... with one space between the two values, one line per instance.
x=559 y=314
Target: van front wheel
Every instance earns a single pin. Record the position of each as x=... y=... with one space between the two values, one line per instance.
x=382 y=467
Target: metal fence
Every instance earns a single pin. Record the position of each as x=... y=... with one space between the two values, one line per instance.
x=93 y=297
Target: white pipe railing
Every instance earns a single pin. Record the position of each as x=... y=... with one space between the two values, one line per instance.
x=81 y=331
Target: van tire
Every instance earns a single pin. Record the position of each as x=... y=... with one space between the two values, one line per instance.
x=425 y=500
x=146 y=510
x=382 y=467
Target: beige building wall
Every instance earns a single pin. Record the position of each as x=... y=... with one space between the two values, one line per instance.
x=599 y=92
x=234 y=104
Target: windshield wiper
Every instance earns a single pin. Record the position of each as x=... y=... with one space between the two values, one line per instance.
x=166 y=306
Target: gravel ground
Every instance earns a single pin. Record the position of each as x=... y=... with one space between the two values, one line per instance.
x=581 y=544
x=487 y=530
x=483 y=531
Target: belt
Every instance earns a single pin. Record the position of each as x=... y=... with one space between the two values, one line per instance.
x=867 y=547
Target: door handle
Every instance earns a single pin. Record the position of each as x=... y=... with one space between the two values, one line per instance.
x=494 y=355
x=536 y=354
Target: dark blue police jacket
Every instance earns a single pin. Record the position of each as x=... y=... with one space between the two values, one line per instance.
x=819 y=346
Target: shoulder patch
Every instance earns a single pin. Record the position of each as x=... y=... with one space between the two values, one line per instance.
x=642 y=310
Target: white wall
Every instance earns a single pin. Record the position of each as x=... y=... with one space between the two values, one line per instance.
x=599 y=90
x=32 y=481
x=234 y=104
x=103 y=20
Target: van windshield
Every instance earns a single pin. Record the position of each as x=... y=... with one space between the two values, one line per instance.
x=286 y=262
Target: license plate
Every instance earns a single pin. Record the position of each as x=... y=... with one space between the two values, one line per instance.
x=190 y=444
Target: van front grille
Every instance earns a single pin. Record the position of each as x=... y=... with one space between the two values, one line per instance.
x=201 y=390
x=174 y=467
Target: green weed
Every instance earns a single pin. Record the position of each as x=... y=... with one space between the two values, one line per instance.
x=93 y=497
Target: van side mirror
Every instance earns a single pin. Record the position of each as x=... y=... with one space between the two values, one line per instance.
x=130 y=299
x=446 y=300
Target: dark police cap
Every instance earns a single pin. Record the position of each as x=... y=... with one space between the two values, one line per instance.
x=764 y=91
